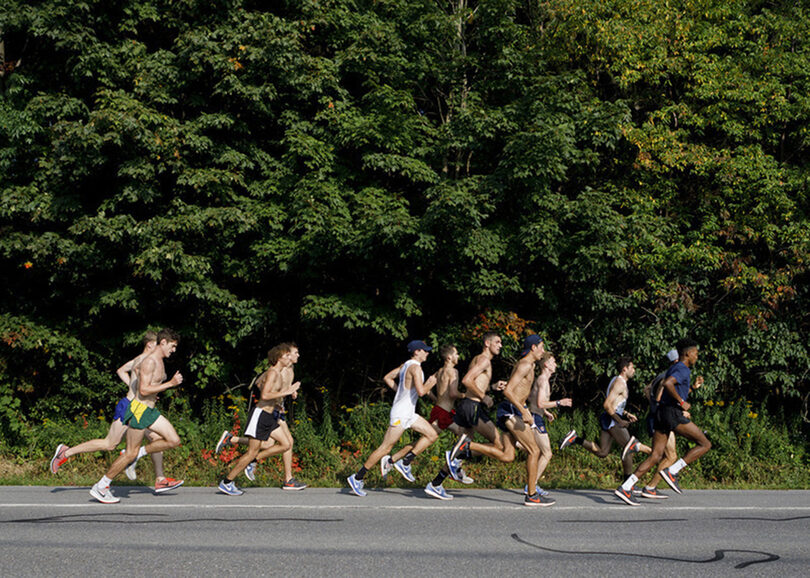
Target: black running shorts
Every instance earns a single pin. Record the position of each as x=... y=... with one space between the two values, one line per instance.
x=668 y=417
x=470 y=412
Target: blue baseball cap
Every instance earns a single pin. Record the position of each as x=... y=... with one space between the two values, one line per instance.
x=530 y=342
x=417 y=345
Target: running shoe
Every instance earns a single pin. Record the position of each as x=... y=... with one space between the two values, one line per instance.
x=167 y=484
x=453 y=466
x=104 y=496
x=437 y=492
x=631 y=447
x=356 y=486
x=58 y=459
x=224 y=440
x=465 y=479
x=672 y=480
x=626 y=496
x=653 y=494
x=250 y=471
x=538 y=500
x=462 y=444
x=636 y=491
x=400 y=466
x=130 y=469
x=569 y=439
x=227 y=487
x=386 y=466
x=540 y=490
x=293 y=484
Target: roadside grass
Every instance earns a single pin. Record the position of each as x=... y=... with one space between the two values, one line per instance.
x=751 y=450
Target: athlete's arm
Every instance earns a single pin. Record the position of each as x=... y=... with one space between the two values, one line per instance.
x=146 y=375
x=416 y=380
x=390 y=376
x=669 y=385
x=549 y=404
x=472 y=374
x=124 y=371
x=452 y=387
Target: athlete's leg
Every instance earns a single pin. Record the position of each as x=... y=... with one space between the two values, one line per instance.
x=670 y=457
x=168 y=436
x=283 y=443
x=134 y=439
x=521 y=432
x=429 y=435
x=659 y=444
x=602 y=449
x=287 y=456
x=409 y=448
x=253 y=448
x=157 y=457
x=621 y=436
x=692 y=432
x=401 y=453
x=499 y=449
x=392 y=435
x=542 y=441
x=114 y=436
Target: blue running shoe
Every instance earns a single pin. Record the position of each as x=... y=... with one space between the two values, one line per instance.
x=540 y=490
x=250 y=471
x=404 y=470
x=356 y=486
x=229 y=488
x=453 y=465
x=437 y=492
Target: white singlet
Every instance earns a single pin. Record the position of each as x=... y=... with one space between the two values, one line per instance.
x=619 y=406
x=403 y=410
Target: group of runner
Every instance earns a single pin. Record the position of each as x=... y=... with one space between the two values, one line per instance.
x=520 y=419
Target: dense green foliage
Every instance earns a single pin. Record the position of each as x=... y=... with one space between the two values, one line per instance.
x=353 y=173
x=751 y=449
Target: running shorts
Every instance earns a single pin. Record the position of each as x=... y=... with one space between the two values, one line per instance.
x=140 y=415
x=443 y=417
x=121 y=410
x=469 y=412
x=668 y=417
x=260 y=424
x=540 y=423
x=505 y=411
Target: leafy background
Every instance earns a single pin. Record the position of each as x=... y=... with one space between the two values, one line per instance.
x=614 y=174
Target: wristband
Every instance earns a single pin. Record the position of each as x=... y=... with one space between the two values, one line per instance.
x=558 y=403
x=680 y=403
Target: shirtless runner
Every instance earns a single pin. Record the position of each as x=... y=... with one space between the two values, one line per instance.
x=142 y=414
x=227 y=438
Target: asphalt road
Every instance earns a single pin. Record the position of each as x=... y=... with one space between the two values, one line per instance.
x=62 y=531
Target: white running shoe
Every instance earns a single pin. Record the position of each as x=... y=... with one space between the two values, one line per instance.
x=130 y=470
x=632 y=446
x=224 y=440
x=250 y=471
x=104 y=496
x=386 y=466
